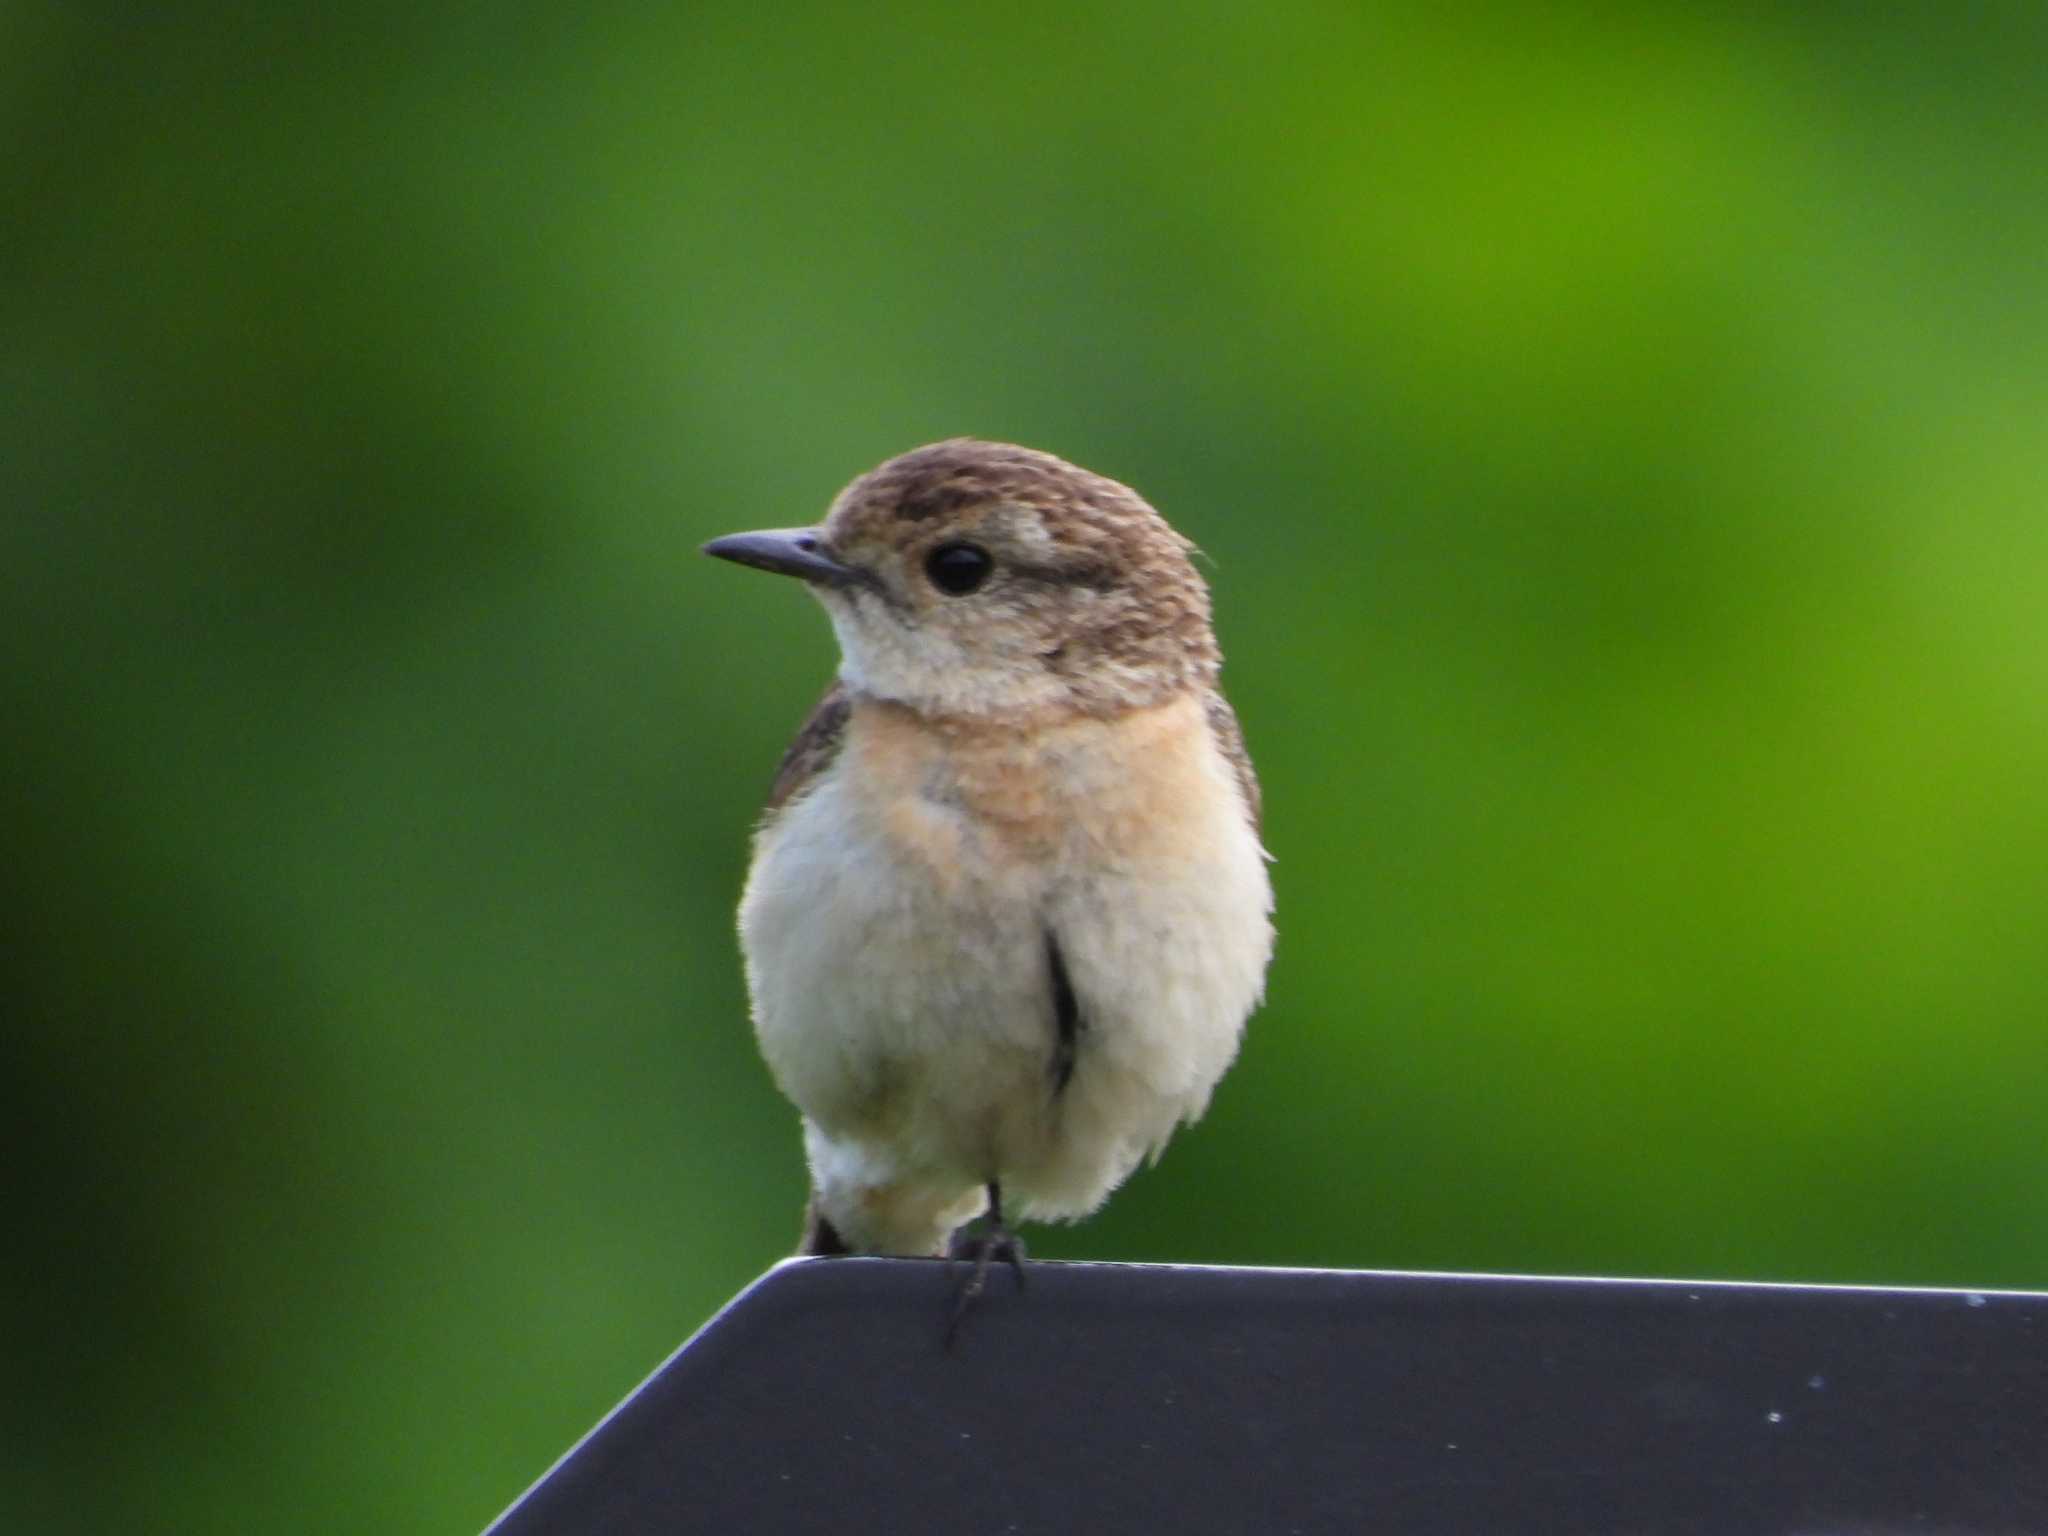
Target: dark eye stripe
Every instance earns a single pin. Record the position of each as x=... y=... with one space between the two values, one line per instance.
x=1095 y=575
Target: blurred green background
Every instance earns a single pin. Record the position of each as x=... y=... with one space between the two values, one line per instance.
x=1618 y=432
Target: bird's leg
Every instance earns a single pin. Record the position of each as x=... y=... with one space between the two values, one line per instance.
x=994 y=1241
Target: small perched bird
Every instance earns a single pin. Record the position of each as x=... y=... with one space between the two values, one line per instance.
x=1008 y=909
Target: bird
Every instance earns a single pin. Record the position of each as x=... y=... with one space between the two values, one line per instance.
x=1008 y=907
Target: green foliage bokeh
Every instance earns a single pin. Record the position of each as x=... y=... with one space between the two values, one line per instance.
x=1618 y=437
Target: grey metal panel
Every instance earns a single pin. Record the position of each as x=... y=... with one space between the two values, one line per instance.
x=1183 y=1400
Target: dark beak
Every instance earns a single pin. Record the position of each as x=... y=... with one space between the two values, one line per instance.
x=787 y=552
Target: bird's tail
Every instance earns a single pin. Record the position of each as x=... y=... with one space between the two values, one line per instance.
x=821 y=1239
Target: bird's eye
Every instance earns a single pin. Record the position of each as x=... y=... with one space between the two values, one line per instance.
x=957 y=569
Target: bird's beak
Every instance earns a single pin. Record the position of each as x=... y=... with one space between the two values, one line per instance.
x=787 y=552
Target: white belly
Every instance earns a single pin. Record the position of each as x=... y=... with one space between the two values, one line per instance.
x=897 y=956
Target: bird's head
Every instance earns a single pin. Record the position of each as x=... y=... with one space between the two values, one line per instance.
x=972 y=579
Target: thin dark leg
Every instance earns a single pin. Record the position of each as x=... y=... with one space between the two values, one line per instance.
x=994 y=1241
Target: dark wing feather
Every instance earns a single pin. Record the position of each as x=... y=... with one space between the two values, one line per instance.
x=1066 y=1016
x=1230 y=740
x=813 y=750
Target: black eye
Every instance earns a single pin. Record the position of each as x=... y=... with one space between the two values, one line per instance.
x=957 y=569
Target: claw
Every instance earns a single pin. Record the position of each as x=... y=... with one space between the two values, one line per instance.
x=994 y=1241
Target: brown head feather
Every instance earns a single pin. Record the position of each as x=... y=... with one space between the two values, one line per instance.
x=1093 y=605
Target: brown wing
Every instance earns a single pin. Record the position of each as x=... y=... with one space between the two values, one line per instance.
x=813 y=750
x=1230 y=740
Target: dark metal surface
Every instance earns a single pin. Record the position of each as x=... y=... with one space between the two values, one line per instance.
x=1136 y=1398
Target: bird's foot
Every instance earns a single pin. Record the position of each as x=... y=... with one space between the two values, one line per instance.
x=984 y=1242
